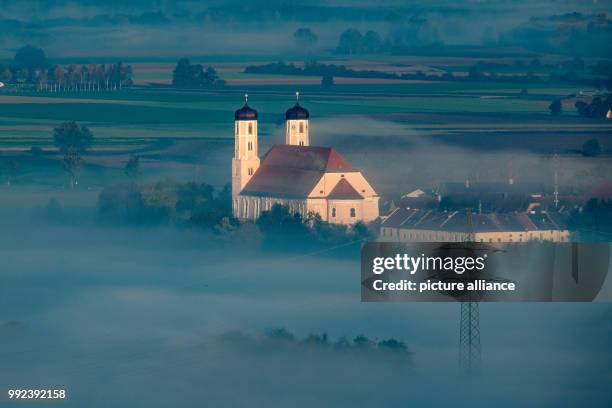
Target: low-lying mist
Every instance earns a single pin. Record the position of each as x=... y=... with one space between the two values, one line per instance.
x=397 y=158
x=158 y=316
x=162 y=29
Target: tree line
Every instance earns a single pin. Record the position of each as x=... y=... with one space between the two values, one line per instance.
x=201 y=206
x=30 y=68
x=475 y=74
x=188 y=75
x=598 y=107
x=281 y=336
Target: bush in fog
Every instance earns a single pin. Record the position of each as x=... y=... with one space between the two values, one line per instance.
x=283 y=229
x=122 y=204
x=282 y=337
x=591 y=148
x=170 y=203
x=200 y=205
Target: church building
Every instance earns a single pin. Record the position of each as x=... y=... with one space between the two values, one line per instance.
x=306 y=179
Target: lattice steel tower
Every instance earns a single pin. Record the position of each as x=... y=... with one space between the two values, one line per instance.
x=469 y=322
x=469 y=336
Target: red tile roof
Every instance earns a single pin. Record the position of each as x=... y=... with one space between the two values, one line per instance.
x=306 y=158
x=526 y=222
x=344 y=191
x=289 y=171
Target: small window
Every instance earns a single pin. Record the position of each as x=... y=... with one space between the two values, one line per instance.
x=333 y=212
x=301 y=127
x=250 y=146
x=250 y=128
x=353 y=212
x=250 y=171
x=301 y=143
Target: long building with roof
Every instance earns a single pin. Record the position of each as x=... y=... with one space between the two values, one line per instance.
x=307 y=179
x=414 y=225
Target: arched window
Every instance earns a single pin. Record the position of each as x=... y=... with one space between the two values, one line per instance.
x=250 y=146
x=353 y=212
x=250 y=128
x=301 y=127
x=334 y=212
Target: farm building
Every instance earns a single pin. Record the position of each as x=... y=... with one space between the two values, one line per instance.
x=307 y=179
x=412 y=225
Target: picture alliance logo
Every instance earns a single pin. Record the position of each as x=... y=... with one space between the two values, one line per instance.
x=414 y=264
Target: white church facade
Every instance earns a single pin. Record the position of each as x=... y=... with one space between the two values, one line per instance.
x=307 y=179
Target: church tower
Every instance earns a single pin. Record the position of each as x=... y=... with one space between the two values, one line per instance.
x=296 y=132
x=246 y=160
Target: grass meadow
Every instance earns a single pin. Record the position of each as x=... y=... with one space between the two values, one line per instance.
x=379 y=124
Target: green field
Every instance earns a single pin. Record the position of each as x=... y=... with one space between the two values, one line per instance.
x=380 y=125
x=149 y=112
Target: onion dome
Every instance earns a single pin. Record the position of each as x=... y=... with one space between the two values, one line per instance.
x=297 y=112
x=245 y=113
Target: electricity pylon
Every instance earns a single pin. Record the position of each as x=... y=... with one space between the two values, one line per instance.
x=469 y=322
x=469 y=336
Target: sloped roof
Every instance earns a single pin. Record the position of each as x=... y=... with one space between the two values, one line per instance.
x=399 y=217
x=311 y=158
x=289 y=171
x=457 y=221
x=344 y=191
